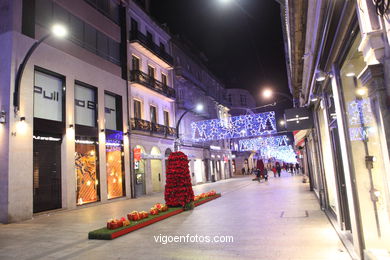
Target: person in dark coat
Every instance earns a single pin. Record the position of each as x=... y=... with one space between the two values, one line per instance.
x=260 y=168
x=278 y=168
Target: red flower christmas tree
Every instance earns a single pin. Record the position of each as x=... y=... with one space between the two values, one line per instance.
x=178 y=187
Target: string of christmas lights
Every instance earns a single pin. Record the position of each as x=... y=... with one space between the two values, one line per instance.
x=268 y=147
x=234 y=127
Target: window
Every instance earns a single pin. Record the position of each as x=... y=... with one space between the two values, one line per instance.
x=113 y=112
x=134 y=25
x=107 y=7
x=149 y=36
x=48 y=95
x=151 y=71
x=153 y=114
x=166 y=118
x=85 y=105
x=243 y=100
x=102 y=44
x=86 y=166
x=162 y=46
x=134 y=62
x=114 y=164
x=82 y=34
x=137 y=109
x=164 y=79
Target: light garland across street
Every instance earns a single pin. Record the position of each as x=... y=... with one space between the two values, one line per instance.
x=234 y=127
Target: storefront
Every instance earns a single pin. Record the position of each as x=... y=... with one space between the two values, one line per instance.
x=49 y=127
x=366 y=146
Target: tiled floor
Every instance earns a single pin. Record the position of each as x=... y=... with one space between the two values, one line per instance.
x=280 y=219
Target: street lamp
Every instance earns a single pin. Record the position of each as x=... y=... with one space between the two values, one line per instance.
x=268 y=93
x=57 y=30
x=198 y=108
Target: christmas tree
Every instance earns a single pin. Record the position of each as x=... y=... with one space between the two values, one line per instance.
x=178 y=187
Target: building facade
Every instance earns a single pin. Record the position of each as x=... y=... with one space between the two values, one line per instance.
x=93 y=118
x=62 y=141
x=152 y=99
x=195 y=85
x=337 y=60
x=240 y=101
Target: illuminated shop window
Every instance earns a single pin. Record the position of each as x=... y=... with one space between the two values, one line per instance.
x=114 y=165
x=86 y=171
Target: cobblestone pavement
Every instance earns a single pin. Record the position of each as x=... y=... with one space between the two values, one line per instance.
x=280 y=219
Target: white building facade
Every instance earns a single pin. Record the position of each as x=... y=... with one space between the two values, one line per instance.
x=152 y=100
x=195 y=85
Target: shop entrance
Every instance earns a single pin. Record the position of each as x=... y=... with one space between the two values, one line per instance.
x=198 y=167
x=46 y=173
x=156 y=169
x=139 y=171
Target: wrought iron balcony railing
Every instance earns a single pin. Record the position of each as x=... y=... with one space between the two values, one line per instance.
x=148 y=81
x=136 y=35
x=152 y=128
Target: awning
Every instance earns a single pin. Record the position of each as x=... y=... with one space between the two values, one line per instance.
x=299 y=137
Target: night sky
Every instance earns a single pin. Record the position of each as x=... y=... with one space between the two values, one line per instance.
x=244 y=46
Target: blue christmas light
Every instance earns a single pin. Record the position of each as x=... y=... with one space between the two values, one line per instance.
x=268 y=147
x=234 y=127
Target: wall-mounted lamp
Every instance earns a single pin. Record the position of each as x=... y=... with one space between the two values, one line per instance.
x=315 y=97
x=321 y=75
x=102 y=130
x=22 y=119
x=375 y=194
x=127 y=133
x=71 y=126
x=361 y=91
x=3 y=119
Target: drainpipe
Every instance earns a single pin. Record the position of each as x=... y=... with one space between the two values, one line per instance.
x=324 y=36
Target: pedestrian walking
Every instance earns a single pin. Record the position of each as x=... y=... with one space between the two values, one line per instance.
x=260 y=168
x=278 y=168
x=291 y=169
x=297 y=167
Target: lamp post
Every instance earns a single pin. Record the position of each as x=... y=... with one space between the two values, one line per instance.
x=57 y=30
x=268 y=93
x=198 y=108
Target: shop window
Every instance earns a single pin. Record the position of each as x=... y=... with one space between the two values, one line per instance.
x=48 y=95
x=368 y=149
x=114 y=164
x=113 y=112
x=86 y=157
x=85 y=105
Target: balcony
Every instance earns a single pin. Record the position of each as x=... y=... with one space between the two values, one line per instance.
x=145 y=45
x=144 y=79
x=150 y=128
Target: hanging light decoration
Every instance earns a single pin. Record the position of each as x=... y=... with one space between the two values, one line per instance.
x=236 y=127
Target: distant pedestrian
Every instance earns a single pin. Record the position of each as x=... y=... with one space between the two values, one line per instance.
x=297 y=168
x=291 y=168
x=278 y=168
x=260 y=168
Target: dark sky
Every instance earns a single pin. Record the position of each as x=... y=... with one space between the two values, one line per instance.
x=243 y=50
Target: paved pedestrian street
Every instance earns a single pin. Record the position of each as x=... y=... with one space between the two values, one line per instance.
x=280 y=219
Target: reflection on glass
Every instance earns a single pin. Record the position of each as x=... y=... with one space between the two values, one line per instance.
x=366 y=141
x=86 y=174
x=115 y=173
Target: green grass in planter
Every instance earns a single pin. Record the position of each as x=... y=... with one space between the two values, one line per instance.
x=202 y=199
x=105 y=233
